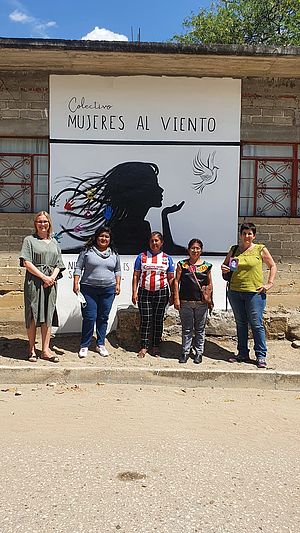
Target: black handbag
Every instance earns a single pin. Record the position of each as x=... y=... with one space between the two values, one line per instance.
x=227 y=275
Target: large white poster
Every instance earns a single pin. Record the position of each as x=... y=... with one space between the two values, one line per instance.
x=140 y=154
x=145 y=153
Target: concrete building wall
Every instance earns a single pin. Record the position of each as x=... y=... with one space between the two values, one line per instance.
x=24 y=104
x=270 y=113
x=270 y=107
x=270 y=110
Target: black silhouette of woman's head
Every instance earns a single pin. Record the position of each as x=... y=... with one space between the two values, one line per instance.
x=130 y=188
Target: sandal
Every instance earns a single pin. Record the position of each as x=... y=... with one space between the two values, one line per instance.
x=142 y=353
x=32 y=357
x=51 y=358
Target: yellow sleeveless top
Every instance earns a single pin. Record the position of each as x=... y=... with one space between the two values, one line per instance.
x=249 y=276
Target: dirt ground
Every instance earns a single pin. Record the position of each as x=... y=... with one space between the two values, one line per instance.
x=13 y=351
x=144 y=459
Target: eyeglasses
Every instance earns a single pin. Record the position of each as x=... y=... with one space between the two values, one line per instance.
x=42 y=222
x=196 y=249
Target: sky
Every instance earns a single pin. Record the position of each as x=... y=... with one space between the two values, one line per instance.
x=158 y=20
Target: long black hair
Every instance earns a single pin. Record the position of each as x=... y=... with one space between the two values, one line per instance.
x=93 y=240
x=102 y=198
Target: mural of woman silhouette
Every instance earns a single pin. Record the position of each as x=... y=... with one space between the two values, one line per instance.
x=120 y=199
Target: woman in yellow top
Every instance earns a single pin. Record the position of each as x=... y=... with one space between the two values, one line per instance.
x=247 y=292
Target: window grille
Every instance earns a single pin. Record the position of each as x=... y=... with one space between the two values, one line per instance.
x=24 y=180
x=270 y=180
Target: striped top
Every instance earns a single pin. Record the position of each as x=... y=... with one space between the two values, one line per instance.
x=154 y=269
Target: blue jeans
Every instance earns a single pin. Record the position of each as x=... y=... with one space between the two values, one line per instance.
x=193 y=316
x=98 y=305
x=248 y=308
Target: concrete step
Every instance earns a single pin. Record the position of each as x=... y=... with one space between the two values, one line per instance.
x=258 y=379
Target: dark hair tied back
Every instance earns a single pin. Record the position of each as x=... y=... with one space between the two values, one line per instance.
x=195 y=241
x=93 y=240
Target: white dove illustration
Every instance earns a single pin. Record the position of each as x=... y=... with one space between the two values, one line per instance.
x=208 y=173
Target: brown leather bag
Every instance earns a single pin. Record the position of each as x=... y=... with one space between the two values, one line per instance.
x=207 y=292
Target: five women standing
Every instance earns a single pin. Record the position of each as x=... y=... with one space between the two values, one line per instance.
x=99 y=271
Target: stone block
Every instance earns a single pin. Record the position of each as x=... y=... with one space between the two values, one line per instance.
x=20 y=232
x=6 y=286
x=15 y=104
x=251 y=110
x=33 y=114
x=11 y=300
x=11 y=272
x=6 y=95
x=9 y=113
x=284 y=121
x=273 y=221
x=38 y=105
x=263 y=120
x=32 y=96
x=172 y=318
x=127 y=331
x=221 y=324
x=269 y=103
x=290 y=112
x=293 y=330
x=281 y=237
x=276 y=326
x=272 y=112
x=34 y=128
x=295 y=267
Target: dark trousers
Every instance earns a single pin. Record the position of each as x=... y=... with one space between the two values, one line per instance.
x=152 y=305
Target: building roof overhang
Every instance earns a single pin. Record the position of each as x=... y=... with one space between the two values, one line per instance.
x=155 y=59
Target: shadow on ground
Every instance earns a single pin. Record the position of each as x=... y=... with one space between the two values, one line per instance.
x=14 y=348
x=17 y=348
x=172 y=350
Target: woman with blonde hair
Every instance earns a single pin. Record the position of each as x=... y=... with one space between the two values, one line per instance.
x=41 y=256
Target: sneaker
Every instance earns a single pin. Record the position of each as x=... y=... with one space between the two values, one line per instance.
x=102 y=350
x=261 y=362
x=83 y=352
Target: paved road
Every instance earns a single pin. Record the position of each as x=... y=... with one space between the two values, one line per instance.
x=108 y=458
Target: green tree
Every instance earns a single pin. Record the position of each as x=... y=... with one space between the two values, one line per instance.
x=269 y=22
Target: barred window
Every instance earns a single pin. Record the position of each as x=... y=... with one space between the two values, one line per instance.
x=24 y=180
x=270 y=180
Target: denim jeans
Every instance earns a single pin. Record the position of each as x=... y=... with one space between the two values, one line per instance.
x=248 y=308
x=193 y=316
x=98 y=305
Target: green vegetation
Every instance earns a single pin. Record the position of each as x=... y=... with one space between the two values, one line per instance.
x=268 y=22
